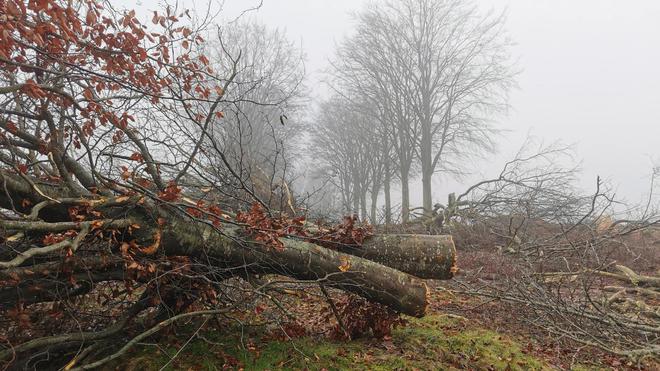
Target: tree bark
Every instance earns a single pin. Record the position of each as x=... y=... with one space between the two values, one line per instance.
x=374 y=206
x=427 y=194
x=302 y=260
x=356 y=193
x=363 y=203
x=423 y=256
x=346 y=195
x=388 y=196
x=426 y=150
x=51 y=282
x=384 y=280
x=405 y=196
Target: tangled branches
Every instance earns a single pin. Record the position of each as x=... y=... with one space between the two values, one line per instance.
x=573 y=269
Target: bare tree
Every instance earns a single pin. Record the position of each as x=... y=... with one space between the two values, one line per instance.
x=440 y=69
x=261 y=122
x=366 y=70
x=346 y=144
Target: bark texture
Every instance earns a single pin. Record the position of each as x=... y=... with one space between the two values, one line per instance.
x=423 y=256
x=302 y=260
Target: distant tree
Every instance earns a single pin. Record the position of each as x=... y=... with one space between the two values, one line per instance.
x=343 y=144
x=366 y=70
x=262 y=111
x=441 y=69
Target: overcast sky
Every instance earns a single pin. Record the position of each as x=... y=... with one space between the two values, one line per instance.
x=590 y=76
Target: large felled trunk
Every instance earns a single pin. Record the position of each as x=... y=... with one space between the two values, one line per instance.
x=385 y=269
x=302 y=260
x=229 y=250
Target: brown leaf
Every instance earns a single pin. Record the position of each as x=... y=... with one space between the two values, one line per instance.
x=122 y=199
x=345 y=264
x=151 y=249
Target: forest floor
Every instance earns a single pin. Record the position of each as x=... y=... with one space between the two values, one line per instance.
x=460 y=332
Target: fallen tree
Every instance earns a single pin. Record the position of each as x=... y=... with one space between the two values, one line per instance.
x=375 y=270
x=155 y=231
x=303 y=260
x=112 y=220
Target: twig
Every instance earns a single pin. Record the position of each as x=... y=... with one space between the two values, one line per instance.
x=334 y=311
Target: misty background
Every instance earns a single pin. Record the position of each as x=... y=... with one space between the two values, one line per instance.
x=588 y=76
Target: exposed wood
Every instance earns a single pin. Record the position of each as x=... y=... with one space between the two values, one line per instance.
x=629 y=276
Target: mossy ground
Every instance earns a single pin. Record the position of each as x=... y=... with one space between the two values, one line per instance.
x=436 y=342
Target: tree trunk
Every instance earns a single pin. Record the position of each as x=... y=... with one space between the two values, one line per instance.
x=423 y=256
x=426 y=152
x=232 y=253
x=363 y=203
x=427 y=196
x=388 y=199
x=302 y=260
x=405 y=196
x=346 y=195
x=356 y=197
x=374 y=206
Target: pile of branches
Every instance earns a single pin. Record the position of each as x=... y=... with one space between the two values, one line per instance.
x=581 y=294
x=113 y=224
x=575 y=270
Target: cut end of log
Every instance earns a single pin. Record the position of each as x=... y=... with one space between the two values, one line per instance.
x=454 y=262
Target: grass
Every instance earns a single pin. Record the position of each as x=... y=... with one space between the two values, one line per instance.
x=433 y=342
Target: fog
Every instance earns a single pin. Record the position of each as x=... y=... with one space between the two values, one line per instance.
x=588 y=76
x=317 y=184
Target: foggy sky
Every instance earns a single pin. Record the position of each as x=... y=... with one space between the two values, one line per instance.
x=590 y=75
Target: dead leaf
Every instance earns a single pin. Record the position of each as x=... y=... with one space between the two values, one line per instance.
x=122 y=199
x=151 y=249
x=345 y=263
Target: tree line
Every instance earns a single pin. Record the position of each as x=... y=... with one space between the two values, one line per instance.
x=415 y=91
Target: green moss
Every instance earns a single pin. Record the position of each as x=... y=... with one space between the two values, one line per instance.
x=433 y=342
x=585 y=367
